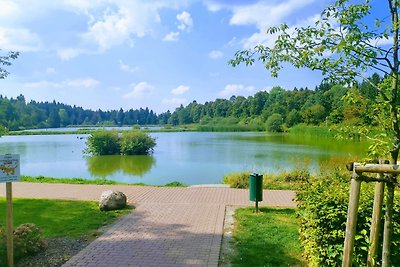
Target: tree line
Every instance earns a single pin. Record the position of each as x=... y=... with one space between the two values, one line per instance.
x=326 y=103
x=17 y=114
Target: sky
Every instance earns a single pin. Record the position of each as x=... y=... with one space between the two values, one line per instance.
x=112 y=54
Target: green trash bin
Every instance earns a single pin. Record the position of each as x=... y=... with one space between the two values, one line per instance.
x=256 y=187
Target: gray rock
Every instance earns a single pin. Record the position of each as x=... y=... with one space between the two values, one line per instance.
x=112 y=200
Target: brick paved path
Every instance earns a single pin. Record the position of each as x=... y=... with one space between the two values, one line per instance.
x=169 y=227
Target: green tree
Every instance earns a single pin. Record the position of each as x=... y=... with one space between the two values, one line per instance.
x=64 y=118
x=274 y=123
x=343 y=46
x=54 y=119
x=314 y=114
x=5 y=60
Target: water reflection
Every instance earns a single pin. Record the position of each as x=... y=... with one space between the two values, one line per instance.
x=103 y=166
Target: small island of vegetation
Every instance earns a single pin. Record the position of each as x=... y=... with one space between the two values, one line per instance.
x=104 y=142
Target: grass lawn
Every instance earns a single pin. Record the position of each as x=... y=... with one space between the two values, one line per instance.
x=59 y=218
x=269 y=238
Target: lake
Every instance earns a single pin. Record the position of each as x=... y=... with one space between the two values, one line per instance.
x=187 y=157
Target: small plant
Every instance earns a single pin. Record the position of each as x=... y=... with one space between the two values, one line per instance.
x=237 y=180
x=28 y=239
x=175 y=184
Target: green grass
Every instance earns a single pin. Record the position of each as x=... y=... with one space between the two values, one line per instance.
x=321 y=131
x=60 y=218
x=269 y=238
x=51 y=180
x=285 y=180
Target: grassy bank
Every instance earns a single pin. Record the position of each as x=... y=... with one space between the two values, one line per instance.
x=285 y=180
x=321 y=131
x=269 y=238
x=51 y=180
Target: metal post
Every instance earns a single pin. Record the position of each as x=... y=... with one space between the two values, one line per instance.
x=256 y=206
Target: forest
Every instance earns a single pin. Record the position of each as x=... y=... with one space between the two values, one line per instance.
x=274 y=110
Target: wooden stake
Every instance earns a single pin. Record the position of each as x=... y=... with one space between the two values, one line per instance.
x=388 y=226
x=376 y=222
x=9 y=225
x=351 y=220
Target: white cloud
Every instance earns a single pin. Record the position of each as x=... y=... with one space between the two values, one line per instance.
x=78 y=83
x=212 y=6
x=42 y=84
x=50 y=71
x=109 y=23
x=69 y=53
x=215 y=54
x=185 y=20
x=127 y=68
x=19 y=39
x=139 y=90
x=174 y=101
x=382 y=41
x=256 y=14
x=8 y=8
x=180 y=90
x=236 y=89
x=88 y=82
x=171 y=37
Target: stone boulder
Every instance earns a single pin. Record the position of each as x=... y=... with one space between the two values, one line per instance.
x=112 y=200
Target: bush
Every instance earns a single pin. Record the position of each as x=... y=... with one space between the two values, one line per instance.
x=237 y=180
x=103 y=142
x=28 y=240
x=136 y=143
x=274 y=123
x=322 y=209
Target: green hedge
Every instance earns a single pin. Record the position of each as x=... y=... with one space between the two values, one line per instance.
x=322 y=209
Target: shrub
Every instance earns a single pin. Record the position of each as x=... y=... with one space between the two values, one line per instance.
x=322 y=209
x=136 y=143
x=274 y=123
x=28 y=239
x=237 y=180
x=103 y=142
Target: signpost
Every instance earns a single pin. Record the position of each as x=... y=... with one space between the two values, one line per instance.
x=9 y=172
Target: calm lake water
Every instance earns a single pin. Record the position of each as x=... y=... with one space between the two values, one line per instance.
x=188 y=157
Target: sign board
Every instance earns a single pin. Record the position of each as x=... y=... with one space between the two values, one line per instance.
x=9 y=168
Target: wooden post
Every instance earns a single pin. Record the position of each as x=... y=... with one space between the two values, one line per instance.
x=388 y=226
x=351 y=220
x=9 y=225
x=376 y=222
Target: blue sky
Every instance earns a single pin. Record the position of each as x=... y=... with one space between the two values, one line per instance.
x=111 y=54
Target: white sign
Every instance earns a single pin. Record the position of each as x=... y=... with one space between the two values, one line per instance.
x=9 y=168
